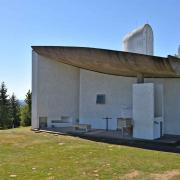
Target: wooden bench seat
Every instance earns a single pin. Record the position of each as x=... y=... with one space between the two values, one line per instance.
x=85 y=127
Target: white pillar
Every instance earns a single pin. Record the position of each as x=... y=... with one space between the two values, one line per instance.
x=147 y=111
x=143 y=110
x=34 y=113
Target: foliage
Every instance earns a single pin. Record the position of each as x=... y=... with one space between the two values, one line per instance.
x=28 y=100
x=5 y=120
x=25 y=120
x=26 y=111
x=14 y=111
x=9 y=109
x=11 y=114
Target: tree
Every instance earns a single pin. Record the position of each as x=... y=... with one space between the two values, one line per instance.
x=5 y=120
x=26 y=110
x=28 y=102
x=14 y=111
x=24 y=116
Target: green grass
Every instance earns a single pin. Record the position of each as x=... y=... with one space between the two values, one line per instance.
x=28 y=155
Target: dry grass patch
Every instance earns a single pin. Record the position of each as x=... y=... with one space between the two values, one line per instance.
x=131 y=175
x=166 y=175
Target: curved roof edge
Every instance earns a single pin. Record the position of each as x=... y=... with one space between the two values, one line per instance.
x=112 y=62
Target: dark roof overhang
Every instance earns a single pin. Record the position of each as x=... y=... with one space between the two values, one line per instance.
x=112 y=62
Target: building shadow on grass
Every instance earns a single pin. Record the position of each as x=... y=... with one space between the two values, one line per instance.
x=167 y=143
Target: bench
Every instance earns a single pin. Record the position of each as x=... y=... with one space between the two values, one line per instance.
x=85 y=127
x=63 y=122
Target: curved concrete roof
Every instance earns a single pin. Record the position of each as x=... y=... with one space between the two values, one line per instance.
x=137 y=31
x=112 y=62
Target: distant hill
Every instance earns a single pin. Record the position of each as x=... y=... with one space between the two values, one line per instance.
x=21 y=102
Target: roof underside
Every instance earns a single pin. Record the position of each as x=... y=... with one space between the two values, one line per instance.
x=112 y=62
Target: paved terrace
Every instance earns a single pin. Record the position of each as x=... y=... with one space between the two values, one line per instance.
x=169 y=143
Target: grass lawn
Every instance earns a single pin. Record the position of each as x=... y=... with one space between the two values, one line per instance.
x=28 y=155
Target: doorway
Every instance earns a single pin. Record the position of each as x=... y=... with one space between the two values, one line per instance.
x=42 y=122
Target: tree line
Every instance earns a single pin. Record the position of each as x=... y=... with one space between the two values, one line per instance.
x=12 y=113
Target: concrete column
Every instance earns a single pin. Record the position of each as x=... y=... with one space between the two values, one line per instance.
x=140 y=78
x=34 y=113
x=143 y=110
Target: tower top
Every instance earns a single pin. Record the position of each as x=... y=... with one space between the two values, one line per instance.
x=140 y=40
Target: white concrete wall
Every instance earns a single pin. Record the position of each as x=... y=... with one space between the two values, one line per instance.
x=172 y=106
x=118 y=91
x=55 y=90
x=55 y=93
x=159 y=100
x=171 y=88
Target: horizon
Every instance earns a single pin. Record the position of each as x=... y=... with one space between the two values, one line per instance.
x=98 y=24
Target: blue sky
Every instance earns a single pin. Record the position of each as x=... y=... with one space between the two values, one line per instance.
x=93 y=23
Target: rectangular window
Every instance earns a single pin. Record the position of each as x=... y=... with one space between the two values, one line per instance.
x=100 y=99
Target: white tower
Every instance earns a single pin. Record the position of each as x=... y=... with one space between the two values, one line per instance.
x=179 y=51
x=140 y=40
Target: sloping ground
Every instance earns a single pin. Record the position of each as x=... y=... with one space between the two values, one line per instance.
x=28 y=155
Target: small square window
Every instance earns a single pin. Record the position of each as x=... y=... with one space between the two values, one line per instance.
x=100 y=99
